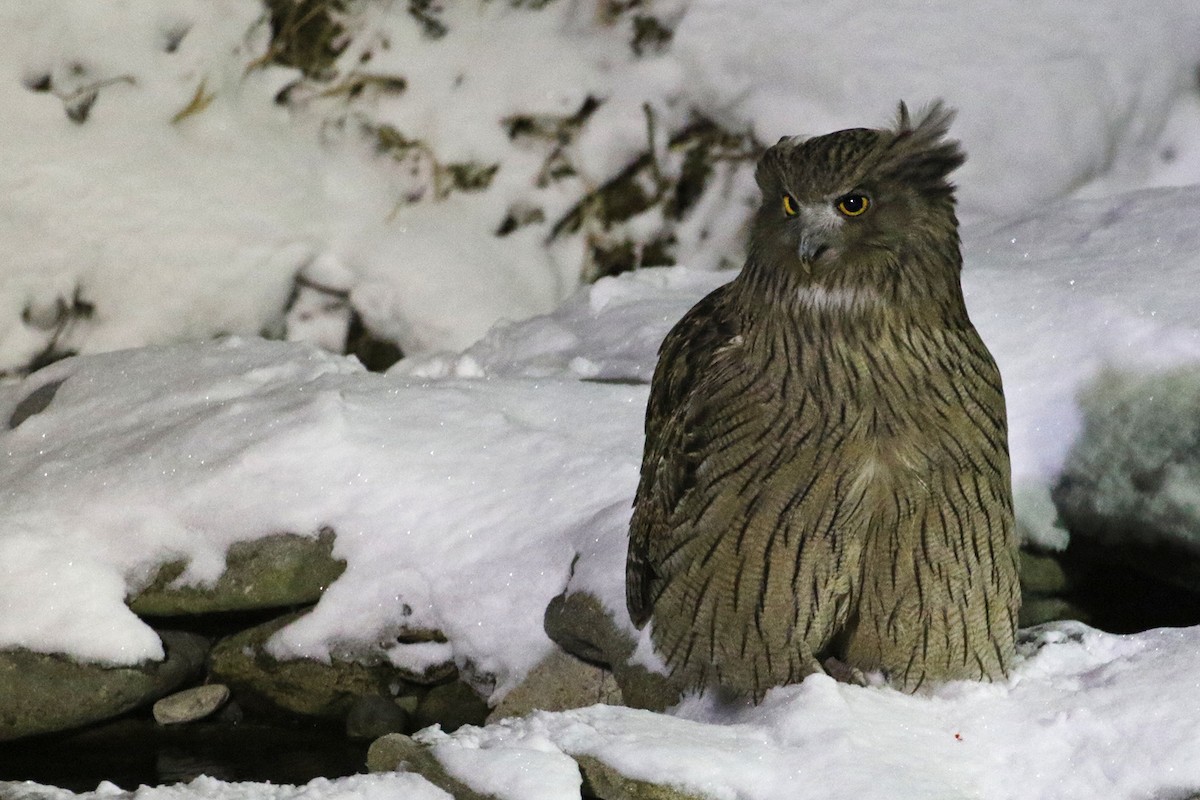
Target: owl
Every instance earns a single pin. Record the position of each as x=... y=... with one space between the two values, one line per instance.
x=825 y=482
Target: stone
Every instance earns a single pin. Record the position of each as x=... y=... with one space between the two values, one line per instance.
x=451 y=706
x=579 y=623
x=399 y=753
x=191 y=704
x=374 y=716
x=35 y=402
x=1129 y=485
x=1042 y=574
x=279 y=571
x=307 y=686
x=1037 y=610
x=602 y=781
x=559 y=682
x=42 y=693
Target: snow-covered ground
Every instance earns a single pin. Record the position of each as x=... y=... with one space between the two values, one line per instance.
x=463 y=483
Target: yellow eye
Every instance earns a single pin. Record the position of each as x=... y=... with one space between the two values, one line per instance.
x=789 y=206
x=853 y=204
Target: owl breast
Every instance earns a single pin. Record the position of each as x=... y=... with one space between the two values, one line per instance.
x=811 y=480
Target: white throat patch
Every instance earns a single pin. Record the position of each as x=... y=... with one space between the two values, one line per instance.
x=819 y=298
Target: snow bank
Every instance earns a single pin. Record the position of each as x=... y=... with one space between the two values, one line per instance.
x=157 y=191
x=1066 y=294
x=462 y=487
x=165 y=231
x=1060 y=296
x=455 y=503
x=1086 y=715
x=1050 y=96
x=355 y=787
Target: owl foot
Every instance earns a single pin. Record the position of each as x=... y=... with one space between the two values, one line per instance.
x=842 y=672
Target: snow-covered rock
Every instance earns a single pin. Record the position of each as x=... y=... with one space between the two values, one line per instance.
x=275 y=571
x=1063 y=728
x=1130 y=488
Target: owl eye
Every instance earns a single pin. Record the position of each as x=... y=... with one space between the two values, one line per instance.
x=789 y=206
x=853 y=204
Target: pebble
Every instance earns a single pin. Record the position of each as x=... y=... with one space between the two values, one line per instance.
x=190 y=704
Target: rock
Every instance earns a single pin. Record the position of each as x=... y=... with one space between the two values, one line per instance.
x=1129 y=485
x=1037 y=610
x=374 y=716
x=397 y=752
x=35 y=402
x=1042 y=574
x=602 y=781
x=560 y=682
x=44 y=693
x=280 y=571
x=451 y=705
x=580 y=624
x=306 y=686
x=190 y=704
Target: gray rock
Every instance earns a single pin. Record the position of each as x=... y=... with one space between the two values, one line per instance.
x=374 y=716
x=1038 y=610
x=399 y=753
x=560 y=682
x=602 y=781
x=191 y=704
x=580 y=624
x=1129 y=485
x=35 y=402
x=451 y=705
x=284 y=570
x=44 y=693
x=1042 y=574
x=396 y=752
x=306 y=686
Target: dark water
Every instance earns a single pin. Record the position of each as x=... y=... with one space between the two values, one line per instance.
x=135 y=752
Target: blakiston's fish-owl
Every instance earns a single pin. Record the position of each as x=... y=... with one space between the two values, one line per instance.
x=826 y=470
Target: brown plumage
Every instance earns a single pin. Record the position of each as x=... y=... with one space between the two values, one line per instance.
x=826 y=467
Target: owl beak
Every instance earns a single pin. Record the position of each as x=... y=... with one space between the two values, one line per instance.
x=812 y=248
x=818 y=227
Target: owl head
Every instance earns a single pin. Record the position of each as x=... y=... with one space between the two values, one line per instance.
x=869 y=210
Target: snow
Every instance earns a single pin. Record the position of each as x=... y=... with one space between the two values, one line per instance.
x=463 y=484
x=454 y=502
x=355 y=787
x=1065 y=726
x=1048 y=100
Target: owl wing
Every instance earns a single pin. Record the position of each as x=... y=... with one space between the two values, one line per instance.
x=667 y=470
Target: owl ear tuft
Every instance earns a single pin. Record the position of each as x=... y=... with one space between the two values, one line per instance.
x=919 y=153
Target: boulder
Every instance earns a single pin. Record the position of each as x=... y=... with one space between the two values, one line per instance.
x=558 y=683
x=450 y=705
x=1129 y=485
x=1043 y=575
x=396 y=752
x=374 y=716
x=399 y=753
x=279 y=571
x=307 y=686
x=42 y=693
x=603 y=781
x=579 y=623
x=1046 y=587
x=1128 y=494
